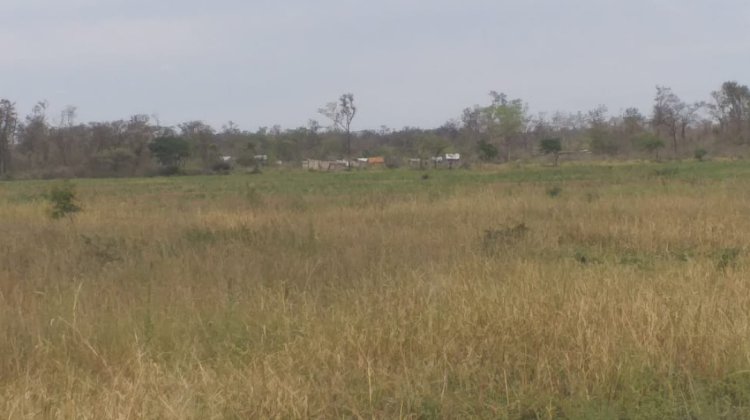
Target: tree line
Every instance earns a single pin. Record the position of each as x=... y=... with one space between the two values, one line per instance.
x=503 y=130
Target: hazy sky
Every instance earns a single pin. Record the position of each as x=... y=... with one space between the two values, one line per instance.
x=408 y=62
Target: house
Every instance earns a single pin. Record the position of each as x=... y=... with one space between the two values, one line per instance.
x=452 y=157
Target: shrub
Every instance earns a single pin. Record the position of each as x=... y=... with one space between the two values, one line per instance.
x=221 y=167
x=64 y=201
x=554 y=191
x=392 y=162
x=170 y=171
x=246 y=160
x=495 y=238
x=592 y=196
x=700 y=154
x=254 y=196
x=726 y=258
x=487 y=151
x=666 y=172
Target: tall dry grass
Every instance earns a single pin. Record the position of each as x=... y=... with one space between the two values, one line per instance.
x=616 y=301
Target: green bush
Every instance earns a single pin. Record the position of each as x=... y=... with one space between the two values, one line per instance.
x=64 y=201
x=554 y=191
x=221 y=167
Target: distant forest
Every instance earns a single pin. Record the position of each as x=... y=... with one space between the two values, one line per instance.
x=40 y=145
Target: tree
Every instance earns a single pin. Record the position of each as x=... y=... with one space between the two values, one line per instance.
x=113 y=162
x=599 y=132
x=138 y=134
x=650 y=144
x=504 y=120
x=689 y=115
x=342 y=114
x=487 y=151
x=8 y=124
x=62 y=136
x=171 y=152
x=200 y=136
x=429 y=144
x=33 y=136
x=633 y=121
x=731 y=108
x=551 y=147
x=668 y=114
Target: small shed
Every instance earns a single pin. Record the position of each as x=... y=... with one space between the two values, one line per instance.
x=452 y=157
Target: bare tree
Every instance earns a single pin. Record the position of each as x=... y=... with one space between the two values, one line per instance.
x=34 y=135
x=689 y=115
x=62 y=135
x=667 y=115
x=342 y=114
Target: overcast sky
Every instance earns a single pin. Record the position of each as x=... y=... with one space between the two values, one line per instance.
x=408 y=62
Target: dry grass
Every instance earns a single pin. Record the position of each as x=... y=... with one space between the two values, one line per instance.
x=618 y=301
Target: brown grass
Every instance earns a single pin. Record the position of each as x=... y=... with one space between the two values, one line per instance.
x=628 y=303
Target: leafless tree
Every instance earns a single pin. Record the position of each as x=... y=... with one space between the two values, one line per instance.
x=34 y=135
x=342 y=114
x=667 y=114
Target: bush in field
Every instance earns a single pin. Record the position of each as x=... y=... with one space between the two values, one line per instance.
x=554 y=191
x=170 y=171
x=700 y=154
x=392 y=162
x=246 y=160
x=64 y=201
x=221 y=167
x=494 y=239
x=487 y=151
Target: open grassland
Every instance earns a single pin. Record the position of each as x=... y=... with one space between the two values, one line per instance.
x=487 y=294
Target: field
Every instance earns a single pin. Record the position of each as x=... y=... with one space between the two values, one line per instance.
x=590 y=291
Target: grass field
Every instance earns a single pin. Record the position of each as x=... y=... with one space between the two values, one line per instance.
x=591 y=291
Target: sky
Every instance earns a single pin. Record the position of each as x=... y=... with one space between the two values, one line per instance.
x=415 y=63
